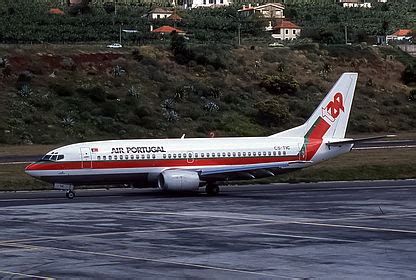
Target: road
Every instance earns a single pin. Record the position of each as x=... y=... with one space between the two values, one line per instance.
x=348 y=230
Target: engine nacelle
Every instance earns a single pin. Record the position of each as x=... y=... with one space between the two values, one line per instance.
x=178 y=180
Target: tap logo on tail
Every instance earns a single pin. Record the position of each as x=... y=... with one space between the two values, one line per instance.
x=334 y=108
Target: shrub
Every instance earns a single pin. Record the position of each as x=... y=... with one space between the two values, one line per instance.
x=96 y=94
x=272 y=111
x=281 y=84
x=409 y=74
x=412 y=96
x=61 y=89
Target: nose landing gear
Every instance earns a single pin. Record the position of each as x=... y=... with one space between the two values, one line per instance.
x=70 y=194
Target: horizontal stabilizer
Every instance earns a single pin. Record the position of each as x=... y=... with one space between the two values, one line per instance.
x=353 y=141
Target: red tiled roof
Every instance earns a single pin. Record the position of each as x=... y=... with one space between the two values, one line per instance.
x=403 y=32
x=56 y=11
x=286 y=24
x=167 y=29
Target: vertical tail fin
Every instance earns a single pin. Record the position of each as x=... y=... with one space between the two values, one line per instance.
x=330 y=118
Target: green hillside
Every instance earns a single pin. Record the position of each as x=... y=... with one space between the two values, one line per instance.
x=62 y=94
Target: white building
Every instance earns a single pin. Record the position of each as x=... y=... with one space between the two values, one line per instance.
x=269 y=10
x=159 y=13
x=286 y=30
x=354 y=4
x=190 y=4
x=400 y=35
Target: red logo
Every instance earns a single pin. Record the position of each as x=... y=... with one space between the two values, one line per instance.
x=334 y=108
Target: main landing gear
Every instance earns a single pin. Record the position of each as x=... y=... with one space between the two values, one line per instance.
x=70 y=194
x=212 y=189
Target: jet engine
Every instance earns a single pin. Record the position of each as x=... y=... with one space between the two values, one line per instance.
x=178 y=180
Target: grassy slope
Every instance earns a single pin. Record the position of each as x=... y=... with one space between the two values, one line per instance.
x=379 y=106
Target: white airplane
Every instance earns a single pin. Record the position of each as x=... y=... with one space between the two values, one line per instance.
x=188 y=164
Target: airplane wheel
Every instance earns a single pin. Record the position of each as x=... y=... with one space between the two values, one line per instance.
x=70 y=194
x=212 y=189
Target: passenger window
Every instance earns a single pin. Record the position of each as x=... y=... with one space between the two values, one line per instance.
x=239 y=154
x=132 y=157
x=249 y=154
x=218 y=154
x=213 y=154
x=233 y=154
x=280 y=153
x=264 y=153
x=109 y=157
x=179 y=155
x=184 y=155
x=269 y=153
x=174 y=155
x=153 y=156
x=104 y=157
x=284 y=153
x=115 y=157
x=148 y=156
x=169 y=155
x=143 y=156
x=98 y=158
x=229 y=154
x=274 y=153
x=196 y=155
x=202 y=154
x=190 y=155
x=224 y=154
x=207 y=155
x=137 y=157
x=164 y=155
x=244 y=154
x=254 y=154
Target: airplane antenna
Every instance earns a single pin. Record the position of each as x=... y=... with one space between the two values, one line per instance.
x=183 y=136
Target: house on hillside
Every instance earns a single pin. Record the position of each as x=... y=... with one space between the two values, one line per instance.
x=354 y=4
x=166 y=30
x=269 y=10
x=285 y=30
x=56 y=11
x=401 y=35
x=190 y=4
x=159 y=13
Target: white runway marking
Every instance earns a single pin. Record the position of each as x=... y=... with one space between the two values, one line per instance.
x=25 y=275
x=358 y=227
x=14 y=162
x=290 y=236
x=185 y=264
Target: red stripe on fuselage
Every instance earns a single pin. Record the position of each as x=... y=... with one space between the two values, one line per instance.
x=315 y=138
x=156 y=163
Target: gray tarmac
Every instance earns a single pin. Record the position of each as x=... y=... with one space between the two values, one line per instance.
x=344 y=230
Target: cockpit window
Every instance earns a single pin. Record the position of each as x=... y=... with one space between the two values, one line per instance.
x=60 y=157
x=47 y=157
x=54 y=157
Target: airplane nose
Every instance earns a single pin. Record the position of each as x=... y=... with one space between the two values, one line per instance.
x=30 y=168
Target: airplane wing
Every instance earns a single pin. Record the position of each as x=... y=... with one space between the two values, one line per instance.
x=243 y=172
x=353 y=141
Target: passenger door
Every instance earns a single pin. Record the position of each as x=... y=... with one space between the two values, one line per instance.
x=86 y=159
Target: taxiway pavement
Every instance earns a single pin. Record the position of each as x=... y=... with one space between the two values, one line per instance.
x=342 y=230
